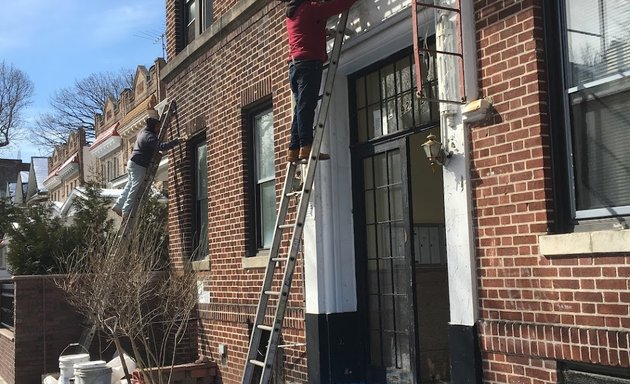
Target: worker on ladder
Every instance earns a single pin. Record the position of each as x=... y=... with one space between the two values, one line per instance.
x=147 y=142
x=306 y=26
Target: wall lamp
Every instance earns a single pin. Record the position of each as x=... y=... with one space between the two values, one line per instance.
x=435 y=152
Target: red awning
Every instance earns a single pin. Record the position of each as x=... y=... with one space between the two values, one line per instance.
x=72 y=159
x=110 y=132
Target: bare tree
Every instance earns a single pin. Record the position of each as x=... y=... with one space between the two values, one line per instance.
x=16 y=91
x=75 y=107
x=130 y=280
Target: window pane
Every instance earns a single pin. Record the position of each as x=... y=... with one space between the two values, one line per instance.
x=201 y=201
x=386 y=99
x=267 y=213
x=263 y=142
x=203 y=228
x=191 y=12
x=597 y=39
x=360 y=90
x=207 y=13
x=191 y=7
x=202 y=172
x=601 y=141
x=598 y=51
x=388 y=88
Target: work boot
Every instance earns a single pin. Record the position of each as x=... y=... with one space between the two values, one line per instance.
x=305 y=152
x=292 y=155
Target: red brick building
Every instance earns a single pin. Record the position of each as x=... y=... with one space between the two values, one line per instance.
x=508 y=264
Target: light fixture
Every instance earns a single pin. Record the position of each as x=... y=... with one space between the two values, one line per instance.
x=435 y=152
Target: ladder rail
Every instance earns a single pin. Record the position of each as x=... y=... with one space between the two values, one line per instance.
x=296 y=236
x=269 y=272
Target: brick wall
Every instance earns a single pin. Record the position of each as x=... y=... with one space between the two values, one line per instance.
x=44 y=325
x=534 y=309
x=214 y=90
x=7 y=356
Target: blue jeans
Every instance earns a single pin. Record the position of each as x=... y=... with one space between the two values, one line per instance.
x=305 y=78
x=135 y=174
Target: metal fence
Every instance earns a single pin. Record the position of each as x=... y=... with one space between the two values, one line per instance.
x=7 y=294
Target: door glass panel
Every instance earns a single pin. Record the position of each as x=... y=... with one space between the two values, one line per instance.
x=388 y=270
x=369 y=207
x=371 y=241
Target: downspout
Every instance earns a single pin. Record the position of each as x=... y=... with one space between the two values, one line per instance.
x=462 y=276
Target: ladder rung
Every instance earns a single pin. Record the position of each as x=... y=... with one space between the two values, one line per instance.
x=272 y=293
x=276 y=259
x=291 y=345
x=295 y=193
x=258 y=363
x=265 y=327
x=286 y=226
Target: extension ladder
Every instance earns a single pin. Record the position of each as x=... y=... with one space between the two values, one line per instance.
x=129 y=223
x=296 y=227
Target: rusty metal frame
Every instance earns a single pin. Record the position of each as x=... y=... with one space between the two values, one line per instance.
x=417 y=49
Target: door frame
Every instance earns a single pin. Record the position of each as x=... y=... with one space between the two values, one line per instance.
x=359 y=152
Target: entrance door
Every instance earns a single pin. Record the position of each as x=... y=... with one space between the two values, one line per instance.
x=385 y=247
x=401 y=250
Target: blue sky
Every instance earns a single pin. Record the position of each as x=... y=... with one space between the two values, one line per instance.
x=58 y=42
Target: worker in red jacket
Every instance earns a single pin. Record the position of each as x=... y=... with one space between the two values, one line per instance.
x=306 y=26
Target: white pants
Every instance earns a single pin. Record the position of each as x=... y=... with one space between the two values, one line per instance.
x=135 y=174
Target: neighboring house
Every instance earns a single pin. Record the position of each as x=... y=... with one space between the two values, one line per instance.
x=117 y=128
x=4 y=251
x=21 y=187
x=508 y=264
x=68 y=208
x=9 y=170
x=33 y=188
x=71 y=165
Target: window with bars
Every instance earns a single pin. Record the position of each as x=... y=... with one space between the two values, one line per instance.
x=386 y=101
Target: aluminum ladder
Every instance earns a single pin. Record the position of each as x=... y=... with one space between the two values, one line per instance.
x=296 y=227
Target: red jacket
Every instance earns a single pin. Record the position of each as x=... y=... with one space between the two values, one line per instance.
x=307 y=28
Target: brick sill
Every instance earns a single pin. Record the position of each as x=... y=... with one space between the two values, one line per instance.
x=585 y=243
x=7 y=334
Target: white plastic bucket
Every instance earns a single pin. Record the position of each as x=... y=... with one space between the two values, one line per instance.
x=66 y=366
x=92 y=372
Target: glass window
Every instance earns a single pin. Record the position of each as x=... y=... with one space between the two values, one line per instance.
x=263 y=179
x=191 y=15
x=3 y=257
x=198 y=16
x=597 y=86
x=200 y=249
x=386 y=101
